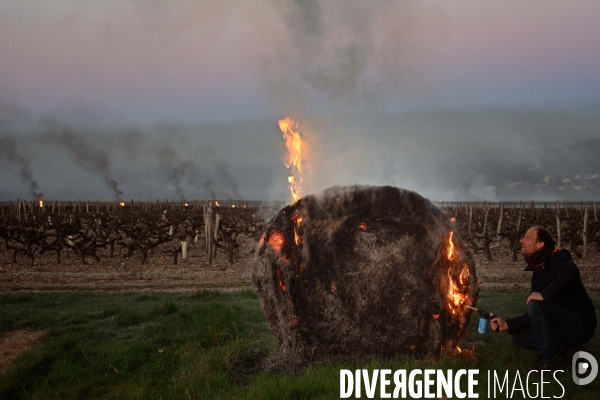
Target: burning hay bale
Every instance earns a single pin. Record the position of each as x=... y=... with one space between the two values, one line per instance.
x=360 y=271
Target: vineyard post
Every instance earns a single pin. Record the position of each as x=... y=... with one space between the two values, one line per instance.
x=206 y=222
x=566 y=209
x=470 y=218
x=87 y=206
x=500 y=221
x=79 y=205
x=557 y=205
x=595 y=213
x=209 y=233
x=585 y=232
x=558 y=232
x=216 y=236
x=487 y=210
x=19 y=210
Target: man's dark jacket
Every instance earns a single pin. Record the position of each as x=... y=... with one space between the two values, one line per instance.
x=558 y=281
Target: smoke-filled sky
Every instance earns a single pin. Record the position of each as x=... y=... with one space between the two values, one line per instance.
x=180 y=99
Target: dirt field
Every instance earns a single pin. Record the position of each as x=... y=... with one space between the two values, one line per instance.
x=160 y=275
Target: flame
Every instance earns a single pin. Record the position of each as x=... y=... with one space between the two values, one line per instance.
x=452 y=219
x=436 y=316
x=217 y=204
x=41 y=203
x=185 y=204
x=122 y=204
x=293 y=160
x=233 y=206
x=459 y=349
x=298 y=239
x=363 y=227
x=457 y=290
x=450 y=247
x=276 y=241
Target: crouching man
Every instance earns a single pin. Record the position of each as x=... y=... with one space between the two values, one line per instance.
x=560 y=314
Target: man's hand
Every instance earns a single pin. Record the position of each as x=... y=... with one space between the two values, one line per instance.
x=498 y=324
x=535 y=296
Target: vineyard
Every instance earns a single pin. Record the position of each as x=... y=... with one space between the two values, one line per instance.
x=178 y=246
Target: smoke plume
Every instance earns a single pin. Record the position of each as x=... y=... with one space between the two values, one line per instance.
x=10 y=155
x=88 y=157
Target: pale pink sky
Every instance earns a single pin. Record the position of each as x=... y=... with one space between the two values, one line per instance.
x=206 y=60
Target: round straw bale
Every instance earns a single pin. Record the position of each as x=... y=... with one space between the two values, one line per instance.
x=363 y=271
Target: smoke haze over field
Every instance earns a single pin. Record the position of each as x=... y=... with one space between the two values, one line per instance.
x=181 y=100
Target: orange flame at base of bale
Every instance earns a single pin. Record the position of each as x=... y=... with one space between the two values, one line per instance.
x=457 y=295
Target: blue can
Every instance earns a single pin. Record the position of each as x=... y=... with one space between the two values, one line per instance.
x=483 y=323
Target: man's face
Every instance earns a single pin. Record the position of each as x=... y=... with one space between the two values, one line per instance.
x=530 y=243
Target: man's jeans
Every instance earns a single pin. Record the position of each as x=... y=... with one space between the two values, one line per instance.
x=552 y=326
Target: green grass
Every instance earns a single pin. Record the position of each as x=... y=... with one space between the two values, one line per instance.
x=173 y=346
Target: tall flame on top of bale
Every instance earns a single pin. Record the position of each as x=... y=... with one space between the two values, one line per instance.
x=293 y=160
x=364 y=271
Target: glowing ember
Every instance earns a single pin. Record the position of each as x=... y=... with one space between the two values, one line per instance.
x=276 y=241
x=450 y=247
x=363 y=227
x=436 y=316
x=294 y=156
x=452 y=219
x=281 y=284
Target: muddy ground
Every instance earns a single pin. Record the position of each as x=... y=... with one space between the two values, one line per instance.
x=160 y=275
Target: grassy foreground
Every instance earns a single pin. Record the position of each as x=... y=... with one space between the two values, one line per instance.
x=174 y=346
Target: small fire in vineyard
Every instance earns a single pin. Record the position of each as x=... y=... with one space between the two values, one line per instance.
x=233 y=206
x=185 y=204
x=41 y=203
x=293 y=159
x=217 y=204
x=122 y=203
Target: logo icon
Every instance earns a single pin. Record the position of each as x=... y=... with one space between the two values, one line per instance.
x=583 y=363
